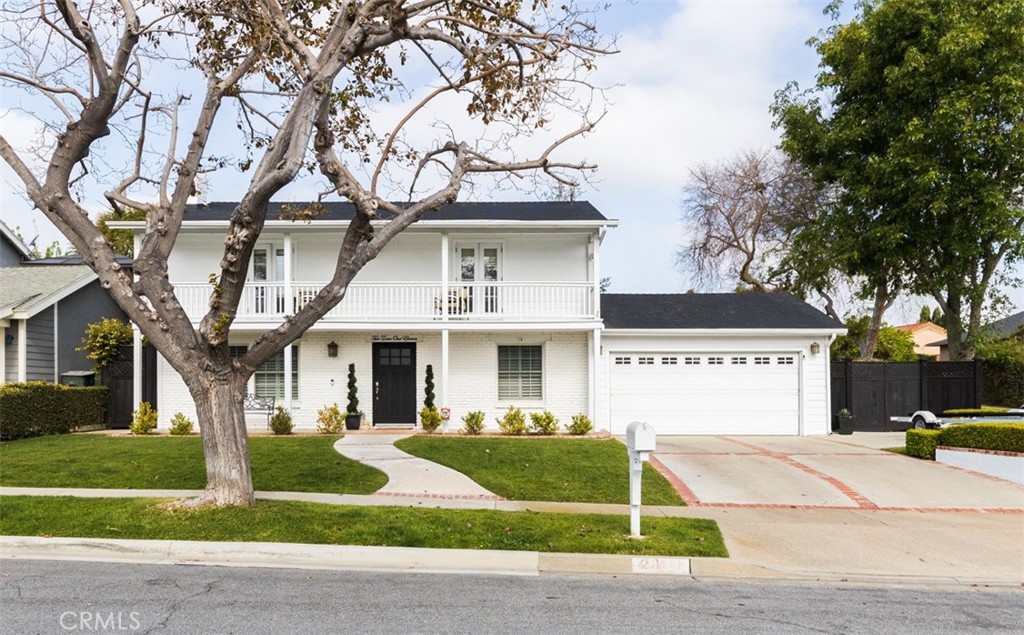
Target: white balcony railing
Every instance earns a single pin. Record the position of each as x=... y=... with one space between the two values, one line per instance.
x=410 y=301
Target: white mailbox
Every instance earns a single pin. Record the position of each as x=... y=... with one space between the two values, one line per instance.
x=640 y=437
x=640 y=440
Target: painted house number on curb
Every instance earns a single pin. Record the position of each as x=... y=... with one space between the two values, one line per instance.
x=662 y=566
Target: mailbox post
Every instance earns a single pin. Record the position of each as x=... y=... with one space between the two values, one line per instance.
x=640 y=439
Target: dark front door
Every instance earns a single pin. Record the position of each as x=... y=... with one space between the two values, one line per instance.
x=394 y=383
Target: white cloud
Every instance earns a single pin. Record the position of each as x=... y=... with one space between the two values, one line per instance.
x=695 y=87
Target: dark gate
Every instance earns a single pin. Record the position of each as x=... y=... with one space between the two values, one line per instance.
x=875 y=391
x=118 y=377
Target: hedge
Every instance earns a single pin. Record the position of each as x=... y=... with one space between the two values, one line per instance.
x=1004 y=436
x=37 y=408
x=974 y=412
x=921 y=443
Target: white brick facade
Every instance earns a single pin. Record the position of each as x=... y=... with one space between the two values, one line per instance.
x=473 y=375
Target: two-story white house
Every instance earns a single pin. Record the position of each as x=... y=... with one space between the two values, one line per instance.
x=503 y=301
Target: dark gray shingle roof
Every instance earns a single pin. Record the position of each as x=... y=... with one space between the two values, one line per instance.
x=999 y=329
x=513 y=211
x=712 y=311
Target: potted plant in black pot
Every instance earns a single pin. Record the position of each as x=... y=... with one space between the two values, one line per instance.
x=354 y=417
x=845 y=420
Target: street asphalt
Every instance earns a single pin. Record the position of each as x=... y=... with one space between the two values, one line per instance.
x=61 y=597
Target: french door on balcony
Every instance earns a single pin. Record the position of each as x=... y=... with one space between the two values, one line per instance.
x=267 y=267
x=478 y=263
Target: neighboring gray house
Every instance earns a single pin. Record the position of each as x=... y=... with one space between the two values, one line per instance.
x=998 y=330
x=45 y=306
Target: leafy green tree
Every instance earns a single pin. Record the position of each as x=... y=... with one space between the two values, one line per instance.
x=103 y=340
x=120 y=239
x=892 y=345
x=918 y=117
x=1003 y=369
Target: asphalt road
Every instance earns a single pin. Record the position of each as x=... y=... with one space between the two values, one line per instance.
x=88 y=597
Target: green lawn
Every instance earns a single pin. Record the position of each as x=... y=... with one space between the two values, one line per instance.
x=569 y=470
x=290 y=464
x=278 y=521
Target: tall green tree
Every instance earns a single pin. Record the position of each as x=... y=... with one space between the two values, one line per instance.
x=918 y=116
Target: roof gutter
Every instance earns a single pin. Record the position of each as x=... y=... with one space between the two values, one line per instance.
x=656 y=332
x=422 y=224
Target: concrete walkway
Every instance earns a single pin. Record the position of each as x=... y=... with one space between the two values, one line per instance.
x=409 y=475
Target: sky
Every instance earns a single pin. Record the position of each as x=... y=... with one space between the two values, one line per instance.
x=693 y=81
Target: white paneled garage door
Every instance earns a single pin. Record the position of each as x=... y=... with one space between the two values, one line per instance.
x=702 y=393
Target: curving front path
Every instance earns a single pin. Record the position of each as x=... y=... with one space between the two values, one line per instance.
x=409 y=475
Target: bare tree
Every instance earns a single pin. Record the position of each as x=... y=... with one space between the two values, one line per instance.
x=761 y=220
x=740 y=213
x=303 y=77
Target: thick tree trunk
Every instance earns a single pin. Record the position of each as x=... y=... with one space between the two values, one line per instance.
x=225 y=441
x=883 y=300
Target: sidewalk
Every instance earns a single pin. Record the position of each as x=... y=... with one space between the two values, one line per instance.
x=852 y=545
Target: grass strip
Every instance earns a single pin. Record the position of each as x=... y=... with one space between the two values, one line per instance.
x=283 y=464
x=567 y=470
x=311 y=523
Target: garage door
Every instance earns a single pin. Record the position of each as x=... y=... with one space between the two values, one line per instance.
x=689 y=393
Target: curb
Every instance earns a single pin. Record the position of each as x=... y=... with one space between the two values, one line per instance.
x=421 y=560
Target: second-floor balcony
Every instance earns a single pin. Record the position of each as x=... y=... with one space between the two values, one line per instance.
x=410 y=301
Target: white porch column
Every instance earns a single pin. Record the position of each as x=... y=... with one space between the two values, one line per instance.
x=595 y=243
x=56 y=342
x=289 y=298
x=444 y=368
x=137 y=343
x=22 y=351
x=288 y=377
x=137 y=368
x=593 y=359
x=3 y=351
x=445 y=262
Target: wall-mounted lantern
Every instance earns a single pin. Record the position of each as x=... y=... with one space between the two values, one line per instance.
x=815 y=348
x=332 y=349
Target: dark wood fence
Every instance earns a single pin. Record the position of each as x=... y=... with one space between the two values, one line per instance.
x=874 y=391
x=119 y=378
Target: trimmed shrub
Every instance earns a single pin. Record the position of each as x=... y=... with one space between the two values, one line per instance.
x=430 y=418
x=1005 y=437
x=428 y=387
x=543 y=422
x=181 y=425
x=581 y=424
x=513 y=422
x=973 y=412
x=474 y=423
x=281 y=421
x=329 y=419
x=921 y=443
x=143 y=419
x=36 y=408
x=353 y=392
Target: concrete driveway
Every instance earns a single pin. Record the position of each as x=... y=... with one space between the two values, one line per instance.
x=824 y=472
